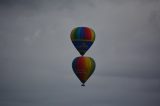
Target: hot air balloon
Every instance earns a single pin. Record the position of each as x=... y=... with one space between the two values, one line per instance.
x=82 y=38
x=83 y=67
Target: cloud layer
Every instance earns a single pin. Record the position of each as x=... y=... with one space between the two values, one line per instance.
x=36 y=52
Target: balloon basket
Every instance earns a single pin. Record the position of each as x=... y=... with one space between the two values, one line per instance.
x=83 y=85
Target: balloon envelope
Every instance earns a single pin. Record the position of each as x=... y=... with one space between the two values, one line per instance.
x=82 y=38
x=83 y=67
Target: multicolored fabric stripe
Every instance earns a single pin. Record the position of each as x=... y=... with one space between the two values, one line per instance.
x=82 y=34
x=83 y=67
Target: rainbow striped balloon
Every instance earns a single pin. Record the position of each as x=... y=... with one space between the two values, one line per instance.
x=83 y=67
x=82 y=38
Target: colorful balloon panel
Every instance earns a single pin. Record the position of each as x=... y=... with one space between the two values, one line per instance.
x=83 y=67
x=82 y=38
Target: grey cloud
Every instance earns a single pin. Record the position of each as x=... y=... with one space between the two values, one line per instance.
x=36 y=52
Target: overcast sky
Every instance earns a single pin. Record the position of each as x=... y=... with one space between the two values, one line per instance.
x=36 y=52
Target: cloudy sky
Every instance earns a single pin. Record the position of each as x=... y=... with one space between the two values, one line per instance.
x=36 y=52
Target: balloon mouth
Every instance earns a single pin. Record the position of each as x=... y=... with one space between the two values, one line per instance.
x=83 y=84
